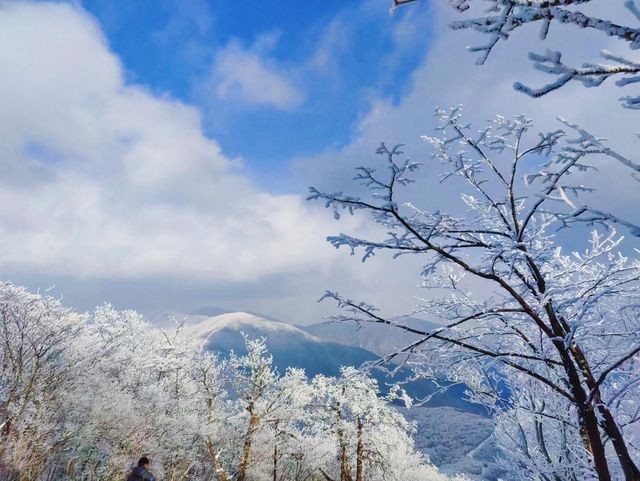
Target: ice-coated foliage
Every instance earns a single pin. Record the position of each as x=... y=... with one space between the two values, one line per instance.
x=499 y=19
x=548 y=340
x=83 y=396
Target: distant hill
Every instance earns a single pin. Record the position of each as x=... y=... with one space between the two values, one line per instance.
x=292 y=346
x=289 y=345
x=169 y=319
x=453 y=432
x=380 y=339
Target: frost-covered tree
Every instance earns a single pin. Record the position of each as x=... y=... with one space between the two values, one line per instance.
x=259 y=424
x=135 y=395
x=83 y=396
x=211 y=402
x=531 y=329
x=365 y=428
x=500 y=19
x=37 y=358
x=263 y=399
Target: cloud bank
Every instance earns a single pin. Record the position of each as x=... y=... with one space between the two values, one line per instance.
x=102 y=178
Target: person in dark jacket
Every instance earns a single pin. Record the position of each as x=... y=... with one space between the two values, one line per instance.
x=141 y=471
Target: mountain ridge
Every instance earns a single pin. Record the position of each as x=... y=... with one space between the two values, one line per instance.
x=292 y=346
x=447 y=421
x=381 y=339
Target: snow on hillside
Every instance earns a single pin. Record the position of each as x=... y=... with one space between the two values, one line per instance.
x=244 y=321
x=289 y=345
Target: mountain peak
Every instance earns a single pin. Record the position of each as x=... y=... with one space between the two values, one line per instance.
x=252 y=324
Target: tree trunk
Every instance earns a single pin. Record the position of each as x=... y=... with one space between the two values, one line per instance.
x=345 y=470
x=246 y=448
x=588 y=421
x=590 y=431
x=594 y=443
x=275 y=462
x=220 y=472
x=359 y=453
x=608 y=423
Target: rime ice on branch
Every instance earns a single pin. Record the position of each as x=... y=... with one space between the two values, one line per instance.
x=501 y=18
x=553 y=348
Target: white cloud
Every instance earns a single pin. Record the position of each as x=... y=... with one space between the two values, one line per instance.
x=104 y=179
x=251 y=76
x=187 y=16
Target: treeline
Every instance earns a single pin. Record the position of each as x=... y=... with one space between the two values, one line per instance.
x=81 y=396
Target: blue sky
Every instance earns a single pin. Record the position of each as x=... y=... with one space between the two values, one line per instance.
x=170 y=46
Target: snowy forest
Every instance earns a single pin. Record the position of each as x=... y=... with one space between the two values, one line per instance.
x=530 y=294
x=81 y=393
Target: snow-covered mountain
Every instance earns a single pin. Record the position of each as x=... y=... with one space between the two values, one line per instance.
x=447 y=422
x=167 y=319
x=291 y=346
